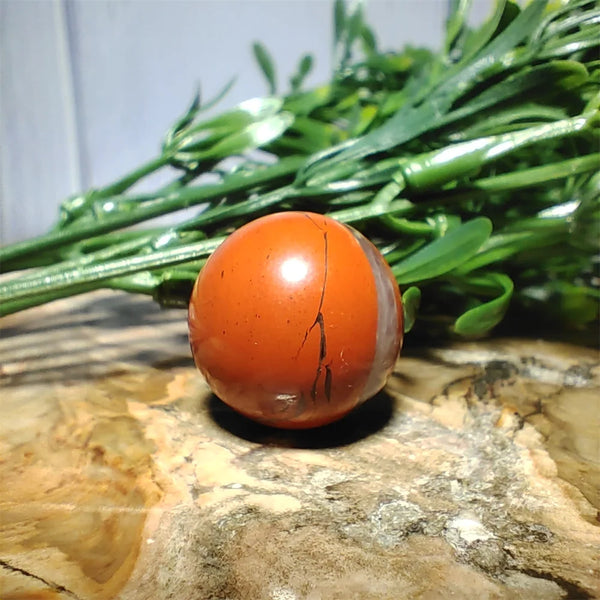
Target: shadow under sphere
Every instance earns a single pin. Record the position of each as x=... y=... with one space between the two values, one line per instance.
x=365 y=420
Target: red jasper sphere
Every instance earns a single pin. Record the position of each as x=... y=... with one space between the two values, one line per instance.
x=295 y=320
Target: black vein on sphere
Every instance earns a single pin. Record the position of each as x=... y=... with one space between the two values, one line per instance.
x=320 y=322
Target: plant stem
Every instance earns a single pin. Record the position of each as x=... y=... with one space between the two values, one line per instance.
x=114 y=250
x=78 y=279
x=539 y=175
x=124 y=183
x=180 y=199
x=10 y=306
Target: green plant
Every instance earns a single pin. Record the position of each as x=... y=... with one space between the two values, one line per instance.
x=474 y=170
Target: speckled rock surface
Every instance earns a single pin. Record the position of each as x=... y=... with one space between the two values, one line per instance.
x=475 y=474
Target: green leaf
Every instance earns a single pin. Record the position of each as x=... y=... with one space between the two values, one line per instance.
x=455 y=24
x=442 y=223
x=248 y=111
x=489 y=57
x=220 y=95
x=481 y=319
x=199 y=138
x=554 y=19
x=339 y=20
x=355 y=22
x=582 y=40
x=341 y=171
x=434 y=169
x=555 y=75
x=411 y=121
x=365 y=117
x=251 y=137
x=348 y=28
x=265 y=62
x=320 y=135
x=515 y=118
x=304 y=67
x=578 y=304
x=474 y=40
x=404 y=226
x=499 y=247
x=303 y=103
x=369 y=41
x=445 y=253
x=411 y=299
x=184 y=120
x=540 y=176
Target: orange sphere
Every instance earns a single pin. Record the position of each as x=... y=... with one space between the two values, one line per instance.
x=295 y=320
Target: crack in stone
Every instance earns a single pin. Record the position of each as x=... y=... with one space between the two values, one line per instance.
x=328 y=382
x=322 y=338
x=313 y=389
x=573 y=591
x=53 y=586
x=320 y=322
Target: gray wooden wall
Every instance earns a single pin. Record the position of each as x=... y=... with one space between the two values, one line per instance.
x=88 y=87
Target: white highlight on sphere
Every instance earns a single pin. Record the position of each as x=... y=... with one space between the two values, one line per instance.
x=294 y=270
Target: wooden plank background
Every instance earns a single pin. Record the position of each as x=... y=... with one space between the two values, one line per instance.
x=88 y=87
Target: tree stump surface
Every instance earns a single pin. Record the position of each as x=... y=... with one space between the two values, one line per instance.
x=474 y=474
